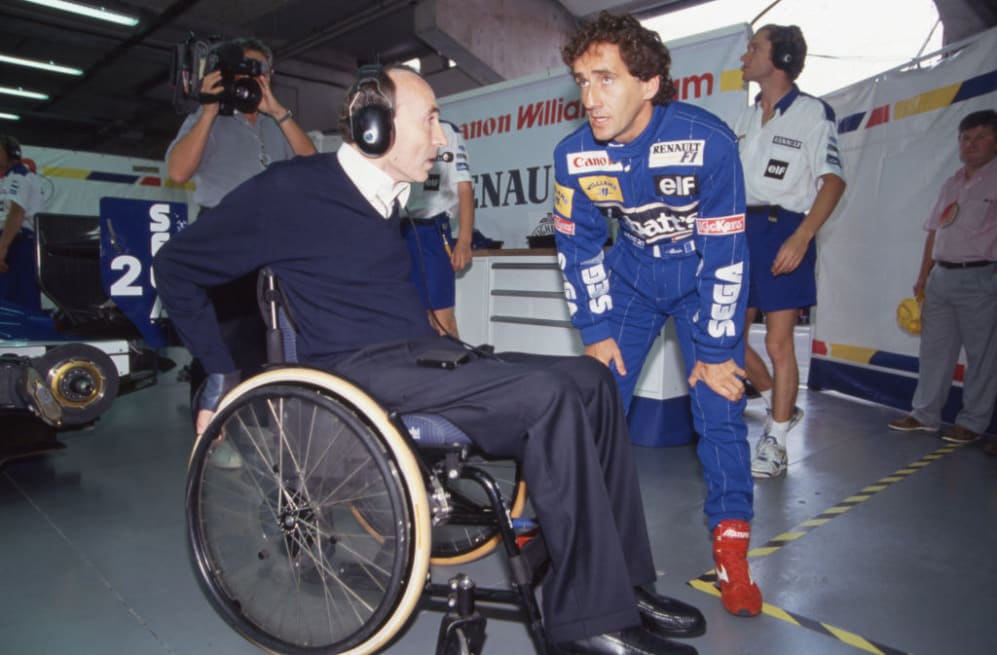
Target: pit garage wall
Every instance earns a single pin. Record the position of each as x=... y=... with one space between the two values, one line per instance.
x=897 y=134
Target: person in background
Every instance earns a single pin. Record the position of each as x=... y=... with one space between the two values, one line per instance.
x=20 y=199
x=958 y=282
x=793 y=179
x=219 y=152
x=670 y=174
x=436 y=257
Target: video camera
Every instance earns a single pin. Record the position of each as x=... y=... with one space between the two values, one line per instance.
x=194 y=58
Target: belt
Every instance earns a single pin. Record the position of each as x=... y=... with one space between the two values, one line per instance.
x=771 y=209
x=976 y=264
x=429 y=221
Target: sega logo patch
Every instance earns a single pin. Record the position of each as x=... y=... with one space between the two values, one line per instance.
x=564 y=226
x=677 y=185
x=590 y=161
x=601 y=188
x=776 y=169
x=563 y=200
x=720 y=226
x=677 y=153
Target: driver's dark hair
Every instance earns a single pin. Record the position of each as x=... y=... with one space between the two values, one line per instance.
x=641 y=49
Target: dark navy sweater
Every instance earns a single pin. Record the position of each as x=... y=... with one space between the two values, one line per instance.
x=344 y=268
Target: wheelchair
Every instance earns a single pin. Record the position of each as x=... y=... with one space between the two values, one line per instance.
x=321 y=541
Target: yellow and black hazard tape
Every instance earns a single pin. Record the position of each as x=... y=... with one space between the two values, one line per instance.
x=707 y=582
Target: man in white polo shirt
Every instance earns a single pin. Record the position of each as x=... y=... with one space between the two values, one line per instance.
x=436 y=257
x=793 y=180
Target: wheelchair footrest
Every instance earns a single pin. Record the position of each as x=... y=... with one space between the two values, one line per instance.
x=462 y=629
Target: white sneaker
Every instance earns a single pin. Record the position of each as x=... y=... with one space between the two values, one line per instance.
x=224 y=456
x=794 y=420
x=769 y=460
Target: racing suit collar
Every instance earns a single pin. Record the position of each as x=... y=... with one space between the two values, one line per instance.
x=644 y=139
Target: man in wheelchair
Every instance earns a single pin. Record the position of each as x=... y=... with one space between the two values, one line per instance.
x=328 y=227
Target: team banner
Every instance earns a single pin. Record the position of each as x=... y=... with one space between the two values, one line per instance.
x=511 y=128
x=74 y=181
x=898 y=138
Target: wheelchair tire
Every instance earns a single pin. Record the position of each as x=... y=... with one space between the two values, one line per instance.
x=275 y=543
x=454 y=543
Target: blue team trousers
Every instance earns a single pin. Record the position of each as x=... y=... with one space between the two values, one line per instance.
x=646 y=292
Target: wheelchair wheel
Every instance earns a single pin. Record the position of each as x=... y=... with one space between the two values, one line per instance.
x=276 y=543
x=455 y=543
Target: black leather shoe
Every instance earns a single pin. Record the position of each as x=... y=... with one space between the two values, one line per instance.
x=668 y=616
x=629 y=641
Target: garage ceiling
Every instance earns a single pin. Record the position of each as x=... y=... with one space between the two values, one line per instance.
x=122 y=104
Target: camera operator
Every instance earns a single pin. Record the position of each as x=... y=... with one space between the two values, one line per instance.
x=221 y=152
x=237 y=132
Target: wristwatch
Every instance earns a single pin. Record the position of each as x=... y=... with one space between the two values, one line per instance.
x=285 y=117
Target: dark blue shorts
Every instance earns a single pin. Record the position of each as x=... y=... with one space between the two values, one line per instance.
x=767 y=229
x=19 y=286
x=430 y=245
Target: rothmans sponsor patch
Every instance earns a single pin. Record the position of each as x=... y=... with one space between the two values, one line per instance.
x=721 y=225
x=600 y=188
x=563 y=199
x=591 y=161
x=564 y=226
x=677 y=153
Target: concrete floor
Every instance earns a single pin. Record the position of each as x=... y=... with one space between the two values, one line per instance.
x=878 y=542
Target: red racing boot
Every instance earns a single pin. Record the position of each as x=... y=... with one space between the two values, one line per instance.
x=738 y=592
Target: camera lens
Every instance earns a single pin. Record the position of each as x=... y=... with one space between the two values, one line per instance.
x=246 y=95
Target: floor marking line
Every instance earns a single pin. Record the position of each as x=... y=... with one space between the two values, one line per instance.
x=707 y=581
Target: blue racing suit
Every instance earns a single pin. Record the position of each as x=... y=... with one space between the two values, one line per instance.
x=677 y=192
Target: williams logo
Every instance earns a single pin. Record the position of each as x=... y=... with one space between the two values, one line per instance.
x=776 y=169
x=601 y=188
x=677 y=185
x=676 y=153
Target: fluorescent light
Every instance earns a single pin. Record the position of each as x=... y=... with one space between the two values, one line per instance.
x=22 y=93
x=9 y=117
x=86 y=10
x=31 y=63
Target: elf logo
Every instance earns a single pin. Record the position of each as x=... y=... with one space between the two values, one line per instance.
x=677 y=185
x=432 y=183
x=776 y=169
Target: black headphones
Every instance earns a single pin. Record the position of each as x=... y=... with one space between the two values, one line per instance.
x=372 y=117
x=784 y=52
x=10 y=146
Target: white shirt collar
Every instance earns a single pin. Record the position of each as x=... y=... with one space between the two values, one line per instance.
x=376 y=186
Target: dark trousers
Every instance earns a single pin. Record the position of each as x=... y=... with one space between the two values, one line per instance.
x=562 y=419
